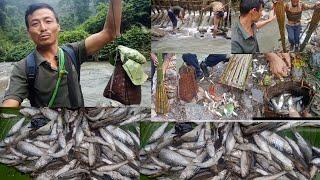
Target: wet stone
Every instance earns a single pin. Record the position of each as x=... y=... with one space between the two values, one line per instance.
x=257 y=95
x=197 y=112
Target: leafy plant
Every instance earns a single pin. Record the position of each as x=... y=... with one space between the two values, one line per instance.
x=136 y=38
x=72 y=36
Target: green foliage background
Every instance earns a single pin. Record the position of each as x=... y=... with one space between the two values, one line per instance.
x=78 y=19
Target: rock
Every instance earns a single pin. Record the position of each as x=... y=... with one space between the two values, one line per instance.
x=297 y=73
x=196 y=112
x=257 y=95
x=158 y=32
x=315 y=60
x=247 y=102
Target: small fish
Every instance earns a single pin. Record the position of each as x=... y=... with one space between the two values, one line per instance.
x=29 y=149
x=73 y=173
x=63 y=152
x=111 y=167
x=316 y=161
x=98 y=116
x=272 y=177
x=124 y=149
x=49 y=113
x=172 y=157
x=277 y=141
x=262 y=144
x=92 y=154
x=62 y=140
x=79 y=136
x=108 y=138
x=214 y=160
x=230 y=142
x=29 y=111
x=304 y=146
x=245 y=163
x=66 y=168
x=14 y=129
x=286 y=162
x=158 y=133
x=120 y=134
x=160 y=163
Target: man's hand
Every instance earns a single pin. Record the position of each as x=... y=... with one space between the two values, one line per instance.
x=272 y=16
x=154 y=59
x=110 y=30
x=10 y=103
x=277 y=65
x=286 y=58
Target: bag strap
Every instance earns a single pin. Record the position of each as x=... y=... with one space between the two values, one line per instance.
x=114 y=70
x=70 y=52
x=62 y=71
x=31 y=72
x=31 y=69
x=74 y=102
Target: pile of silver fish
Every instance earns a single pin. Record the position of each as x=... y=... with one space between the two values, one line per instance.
x=89 y=143
x=239 y=150
x=283 y=103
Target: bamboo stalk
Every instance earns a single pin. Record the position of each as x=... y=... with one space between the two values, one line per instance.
x=244 y=76
x=239 y=68
x=237 y=71
x=225 y=72
x=229 y=70
x=236 y=67
x=280 y=13
x=161 y=104
x=313 y=26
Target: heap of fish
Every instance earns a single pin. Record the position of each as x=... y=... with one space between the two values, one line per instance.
x=80 y=144
x=286 y=102
x=230 y=151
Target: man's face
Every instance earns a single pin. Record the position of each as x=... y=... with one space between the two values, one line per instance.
x=43 y=27
x=256 y=13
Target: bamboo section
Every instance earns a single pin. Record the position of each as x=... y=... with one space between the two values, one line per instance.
x=313 y=26
x=188 y=86
x=237 y=71
x=162 y=105
x=280 y=13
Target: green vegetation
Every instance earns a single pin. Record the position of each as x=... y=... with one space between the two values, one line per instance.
x=78 y=20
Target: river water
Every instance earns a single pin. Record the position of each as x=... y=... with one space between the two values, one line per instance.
x=94 y=78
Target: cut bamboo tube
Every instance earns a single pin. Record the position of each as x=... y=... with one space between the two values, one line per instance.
x=162 y=106
x=237 y=71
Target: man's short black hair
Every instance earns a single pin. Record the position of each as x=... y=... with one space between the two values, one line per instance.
x=33 y=7
x=247 y=5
